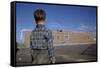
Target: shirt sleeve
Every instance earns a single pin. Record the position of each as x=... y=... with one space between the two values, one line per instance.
x=31 y=40
x=50 y=46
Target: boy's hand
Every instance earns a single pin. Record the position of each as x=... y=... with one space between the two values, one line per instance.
x=52 y=60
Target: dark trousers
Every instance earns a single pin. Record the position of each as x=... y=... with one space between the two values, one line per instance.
x=40 y=56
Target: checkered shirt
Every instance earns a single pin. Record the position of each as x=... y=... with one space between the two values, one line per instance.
x=41 y=38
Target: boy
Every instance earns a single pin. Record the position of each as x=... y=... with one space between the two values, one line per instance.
x=41 y=40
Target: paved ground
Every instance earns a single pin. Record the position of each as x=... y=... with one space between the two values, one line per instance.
x=74 y=53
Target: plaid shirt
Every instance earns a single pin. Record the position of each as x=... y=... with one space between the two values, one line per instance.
x=41 y=38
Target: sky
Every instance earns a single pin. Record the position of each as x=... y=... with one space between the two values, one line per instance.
x=74 y=18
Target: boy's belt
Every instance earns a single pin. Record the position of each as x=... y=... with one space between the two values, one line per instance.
x=39 y=48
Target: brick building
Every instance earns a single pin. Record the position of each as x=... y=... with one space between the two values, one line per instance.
x=73 y=38
x=66 y=38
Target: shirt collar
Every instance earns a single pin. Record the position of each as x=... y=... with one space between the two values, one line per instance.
x=40 y=27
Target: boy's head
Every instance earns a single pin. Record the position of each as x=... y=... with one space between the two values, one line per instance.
x=39 y=16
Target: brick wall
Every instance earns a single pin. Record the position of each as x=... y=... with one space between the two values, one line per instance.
x=66 y=38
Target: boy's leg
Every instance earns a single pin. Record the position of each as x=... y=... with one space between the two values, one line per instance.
x=34 y=56
x=40 y=57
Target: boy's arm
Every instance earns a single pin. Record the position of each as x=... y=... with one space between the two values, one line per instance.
x=51 y=47
x=32 y=41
